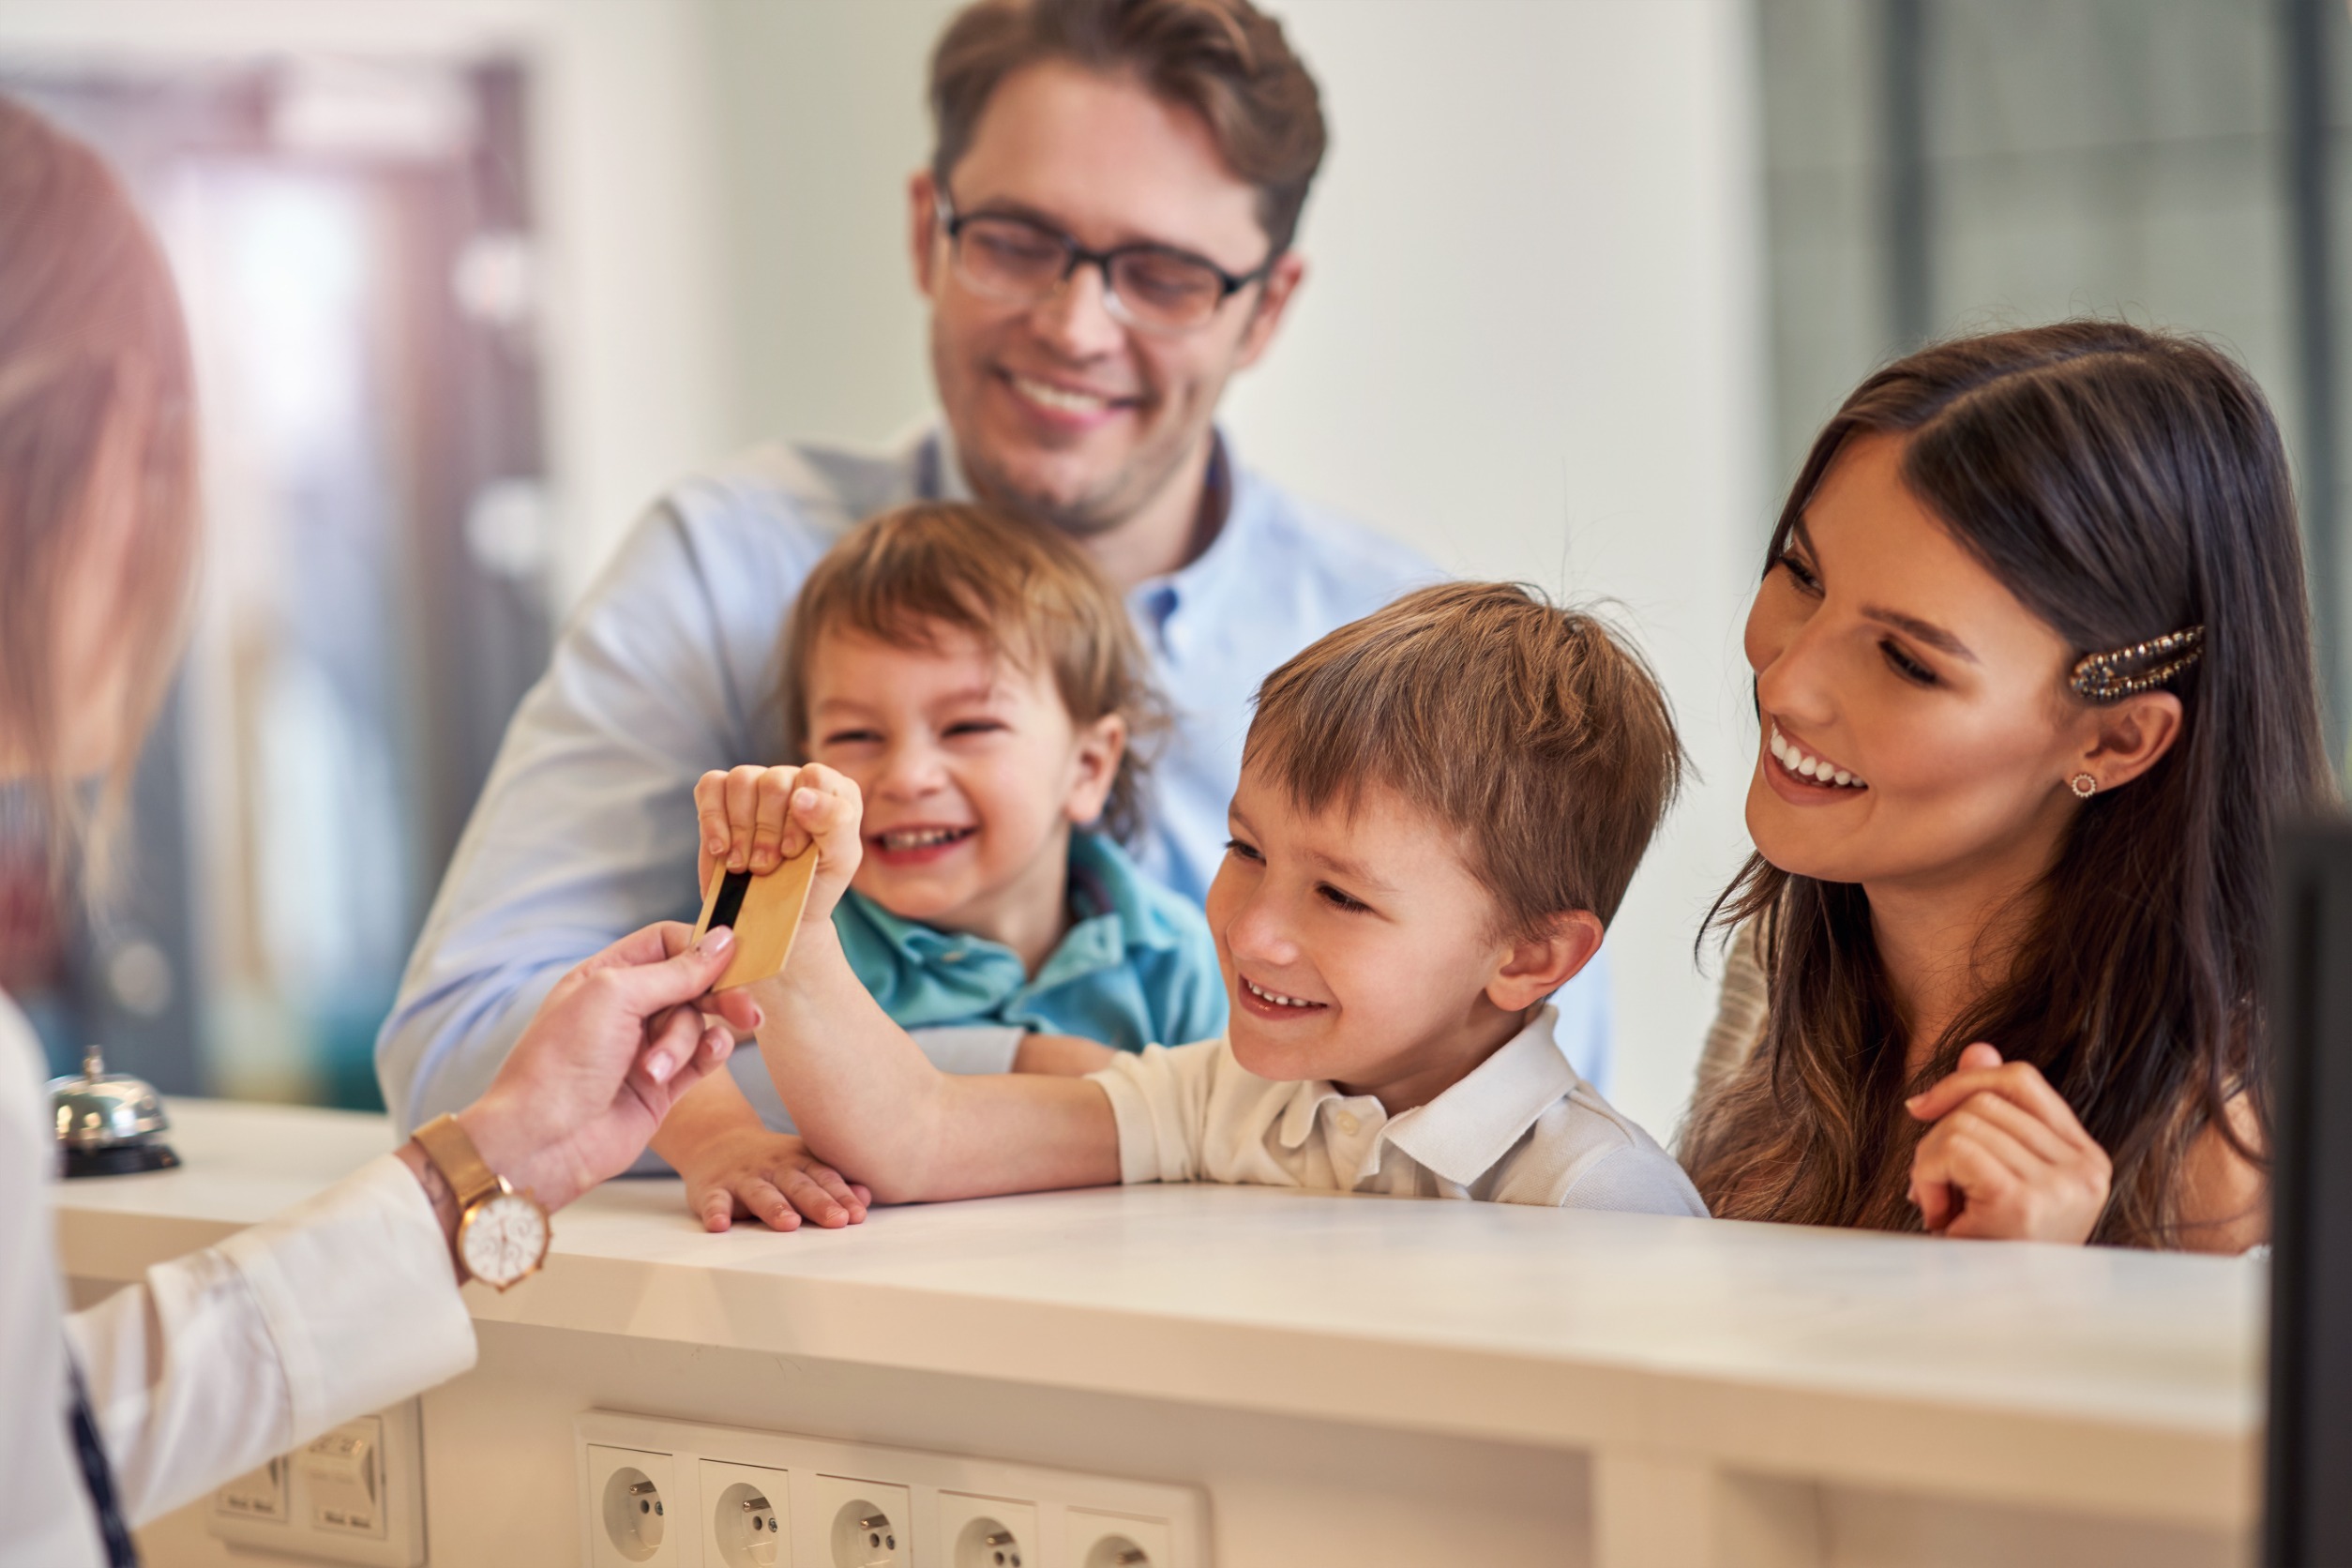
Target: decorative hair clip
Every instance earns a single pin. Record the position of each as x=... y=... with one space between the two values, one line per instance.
x=2112 y=677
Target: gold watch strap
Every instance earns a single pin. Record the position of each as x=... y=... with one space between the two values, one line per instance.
x=444 y=1143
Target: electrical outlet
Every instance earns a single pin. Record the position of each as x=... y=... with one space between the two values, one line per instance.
x=344 y=1470
x=747 y=1515
x=833 y=1504
x=256 y=1495
x=1117 y=1540
x=988 y=1532
x=866 y=1524
x=631 y=1492
x=353 y=1495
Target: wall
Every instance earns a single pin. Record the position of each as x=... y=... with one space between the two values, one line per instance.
x=1528 y=342
x=626 y=178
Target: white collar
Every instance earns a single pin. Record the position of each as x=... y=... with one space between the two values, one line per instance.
x=1466 y=1129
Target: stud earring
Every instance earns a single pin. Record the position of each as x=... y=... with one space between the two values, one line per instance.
x=2083 y=785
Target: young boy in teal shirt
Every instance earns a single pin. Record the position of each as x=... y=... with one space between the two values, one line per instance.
x=985 y=689
x=1136 y=967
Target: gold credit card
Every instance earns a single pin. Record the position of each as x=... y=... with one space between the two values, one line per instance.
x=764 y=913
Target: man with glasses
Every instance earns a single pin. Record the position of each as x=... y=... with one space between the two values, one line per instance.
x=1104 y=238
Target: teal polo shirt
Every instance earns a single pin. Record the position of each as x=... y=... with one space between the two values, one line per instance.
x=1136 y=967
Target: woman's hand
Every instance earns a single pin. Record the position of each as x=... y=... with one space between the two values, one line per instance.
x=2006 y=1157
x=752 y=1173
x=616 y=1043
x=756 y=818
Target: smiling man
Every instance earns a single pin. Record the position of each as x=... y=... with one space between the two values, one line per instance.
x=1104 y=238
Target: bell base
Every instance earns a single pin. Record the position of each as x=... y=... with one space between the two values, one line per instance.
x=124 y=1159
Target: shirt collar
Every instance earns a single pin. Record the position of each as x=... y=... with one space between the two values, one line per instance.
x=1158 y=600
x=1465 y=1130
x=940 y=469
x=1112 y=916
x=1297 y=1116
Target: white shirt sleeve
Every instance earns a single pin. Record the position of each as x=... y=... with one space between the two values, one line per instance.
x=216 y=1361
x=1160 y=1099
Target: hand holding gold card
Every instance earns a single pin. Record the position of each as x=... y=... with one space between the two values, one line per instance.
x=764 y=913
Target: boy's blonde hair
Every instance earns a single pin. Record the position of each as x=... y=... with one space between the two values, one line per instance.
x=1023 y=590
x=1527 y=728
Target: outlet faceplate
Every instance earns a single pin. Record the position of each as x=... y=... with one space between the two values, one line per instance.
x=747 y=1515
x=865 y=1524
x=988 y=1532
x=855 y=1505
x=1118 y=1541
x=631 y=1494
x=354 y=1495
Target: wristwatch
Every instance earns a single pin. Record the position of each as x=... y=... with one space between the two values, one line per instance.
x=502 y=1233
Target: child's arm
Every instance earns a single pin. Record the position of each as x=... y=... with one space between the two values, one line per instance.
x=1062 y=1055
x=734 y=1167
x=865 y=1096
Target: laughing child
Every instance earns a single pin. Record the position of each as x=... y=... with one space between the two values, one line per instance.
x=980 y=686
x=1441 y=807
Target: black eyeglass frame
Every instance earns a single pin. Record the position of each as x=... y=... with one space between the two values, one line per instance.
x=1077 y=256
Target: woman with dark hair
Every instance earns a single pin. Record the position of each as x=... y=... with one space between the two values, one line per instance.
x=218 y=1360
x=2033 y=666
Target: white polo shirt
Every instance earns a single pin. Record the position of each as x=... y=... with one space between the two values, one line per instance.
x=1520 y=1127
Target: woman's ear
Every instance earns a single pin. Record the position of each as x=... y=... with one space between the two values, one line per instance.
x=1095 y=767
x=2129 y=738
x=1536 y=966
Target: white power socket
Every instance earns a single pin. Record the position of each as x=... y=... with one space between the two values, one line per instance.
x=733 y=1498
x=353 y=1495
x=1118 y=1541
x=866 y=1524
x=630 y=1492
x=747 y=1514
x=988 y=1532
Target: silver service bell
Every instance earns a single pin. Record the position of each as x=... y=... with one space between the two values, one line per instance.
x=108 y=1124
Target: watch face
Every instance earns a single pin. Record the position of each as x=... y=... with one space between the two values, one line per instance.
x=505 y=1238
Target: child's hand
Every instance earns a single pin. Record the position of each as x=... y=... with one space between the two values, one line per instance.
x=752 y=1173
x=755 y=819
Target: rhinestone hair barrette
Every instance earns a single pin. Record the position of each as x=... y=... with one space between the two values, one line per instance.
x=2143 y=666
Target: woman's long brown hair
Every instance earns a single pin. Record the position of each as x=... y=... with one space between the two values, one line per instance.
x=2123 y=484
x=93 y=350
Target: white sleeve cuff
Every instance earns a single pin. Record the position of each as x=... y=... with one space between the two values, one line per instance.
x=359 y=1296
x=1156 y=1143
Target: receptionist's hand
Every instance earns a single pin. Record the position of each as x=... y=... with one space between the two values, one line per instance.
x=2006 y=1157
x=616 y=1043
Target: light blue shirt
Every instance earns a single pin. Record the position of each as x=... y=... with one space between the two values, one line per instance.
x=585 y=829
x=1137 y=969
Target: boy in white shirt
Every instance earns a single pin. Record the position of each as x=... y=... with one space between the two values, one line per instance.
x=1439 y=807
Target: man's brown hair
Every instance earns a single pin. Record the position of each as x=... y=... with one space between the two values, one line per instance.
x=1527 y=728
x=1224 y=59
x=1024 y=593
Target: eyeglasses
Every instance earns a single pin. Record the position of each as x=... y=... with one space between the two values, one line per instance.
x=1153 y=288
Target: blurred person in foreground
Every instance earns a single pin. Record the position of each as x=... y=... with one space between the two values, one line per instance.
x=218 y=1361
x=1104 y=237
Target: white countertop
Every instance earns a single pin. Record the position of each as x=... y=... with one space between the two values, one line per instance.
x=2093 y=1378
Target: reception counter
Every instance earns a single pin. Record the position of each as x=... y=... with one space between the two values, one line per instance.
x=1344 y=1380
